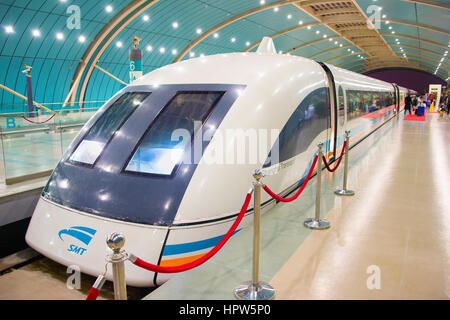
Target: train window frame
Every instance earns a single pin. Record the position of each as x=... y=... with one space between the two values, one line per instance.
x=125 y=170
x=91 y=165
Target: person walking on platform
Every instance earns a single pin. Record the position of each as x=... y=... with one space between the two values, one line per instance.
x=408 y=104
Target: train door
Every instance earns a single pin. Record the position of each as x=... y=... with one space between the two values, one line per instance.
x=396 y=98
x=331 y=146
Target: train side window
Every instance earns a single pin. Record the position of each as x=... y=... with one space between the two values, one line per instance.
x=309 y=119
x=94 y=142
x=158 y=153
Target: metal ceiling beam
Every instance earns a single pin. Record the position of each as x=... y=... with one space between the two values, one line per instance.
x=343 y=56
x=430 y=3
x=282 y=32
x=417 y=48
x=422 y=68
x=229 y=21
x=425 y=57
x=330 y=50
x=437 y=44
x=311 y=43
x=419 y=25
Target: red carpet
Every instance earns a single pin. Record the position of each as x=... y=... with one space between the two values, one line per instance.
x=411 y=117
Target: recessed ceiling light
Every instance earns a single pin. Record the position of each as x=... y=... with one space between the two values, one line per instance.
x=216 y=35
x=162 y=49
x=9 y=29
x=289 y=16
x=36 y=33
x=119 y=44
x=81 y=39
x=199 y=30
x=149 y=48
x=60 y=36
x=145 y=17
x=300 y=22
x=174 y=51
x=109 y=8
x=262 y=2
x=247 y=43
x=317 y=32
x=309 y=27
x=192 y=54
x=175 y=25
x=233 y=39
x=276 y=9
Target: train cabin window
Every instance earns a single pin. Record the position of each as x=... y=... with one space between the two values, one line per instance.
x=94 y=142
x=360 y=103
x=309 y=119
x=160 y=152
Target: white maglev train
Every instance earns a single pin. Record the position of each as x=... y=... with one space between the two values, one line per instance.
x=125 y=173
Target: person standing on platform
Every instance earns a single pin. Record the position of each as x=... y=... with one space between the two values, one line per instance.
x=408 y=104
x=447 y=102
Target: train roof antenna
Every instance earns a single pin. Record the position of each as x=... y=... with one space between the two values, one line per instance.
x=267 y=46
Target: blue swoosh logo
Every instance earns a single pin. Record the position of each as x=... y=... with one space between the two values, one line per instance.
x=83 y=234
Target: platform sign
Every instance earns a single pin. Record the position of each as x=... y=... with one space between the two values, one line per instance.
x=135 y=64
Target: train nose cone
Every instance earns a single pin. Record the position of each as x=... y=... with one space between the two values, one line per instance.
x=71 y=238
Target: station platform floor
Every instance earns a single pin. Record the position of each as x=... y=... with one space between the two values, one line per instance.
x=389 y=241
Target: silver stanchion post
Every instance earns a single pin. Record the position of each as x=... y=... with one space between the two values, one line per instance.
x=317 y=223
x=255 y=289
x=116 y=242
x=344 y=191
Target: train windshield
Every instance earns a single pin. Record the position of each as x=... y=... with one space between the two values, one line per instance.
x=94 y=142
x=163 y=145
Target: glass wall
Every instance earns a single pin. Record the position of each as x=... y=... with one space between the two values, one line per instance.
x=32 y=144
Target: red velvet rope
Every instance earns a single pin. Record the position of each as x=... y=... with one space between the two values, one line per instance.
x=339 y=161
x=299 y=192
x=39 y=122
x=155 y=268
x=93 y=294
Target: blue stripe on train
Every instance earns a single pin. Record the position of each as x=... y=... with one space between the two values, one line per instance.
x=173 y=249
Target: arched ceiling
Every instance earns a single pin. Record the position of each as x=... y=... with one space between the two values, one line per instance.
x=412 y=34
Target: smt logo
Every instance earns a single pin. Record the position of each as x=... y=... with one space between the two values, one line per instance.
x=82 y=234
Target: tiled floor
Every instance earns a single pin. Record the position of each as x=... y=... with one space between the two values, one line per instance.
x=390 y=241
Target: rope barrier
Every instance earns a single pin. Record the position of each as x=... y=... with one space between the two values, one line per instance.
x=299 y=192
x=95 y=289
x=339 y=161
x=39 y=122
x=155 y=268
